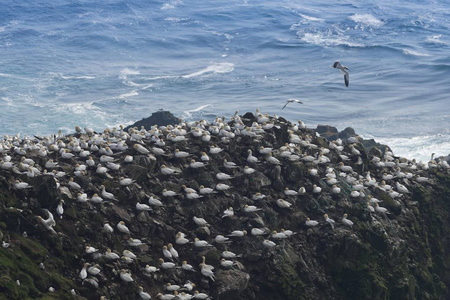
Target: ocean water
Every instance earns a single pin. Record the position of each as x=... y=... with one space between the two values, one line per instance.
x=103 y=63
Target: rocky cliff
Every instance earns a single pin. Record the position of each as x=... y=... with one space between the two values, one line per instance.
x=276 y=211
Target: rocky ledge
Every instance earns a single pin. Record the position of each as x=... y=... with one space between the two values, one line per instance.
x=250 y=208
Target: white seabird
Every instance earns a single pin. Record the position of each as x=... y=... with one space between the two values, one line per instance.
x=344 y=70
x=292 y=101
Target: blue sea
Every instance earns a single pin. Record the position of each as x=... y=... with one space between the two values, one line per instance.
x=103 y=63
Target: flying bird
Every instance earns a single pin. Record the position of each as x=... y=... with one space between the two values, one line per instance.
x=292 y=100
x=344 y=70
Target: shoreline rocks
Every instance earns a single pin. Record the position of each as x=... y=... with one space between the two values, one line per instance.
x=396 y=245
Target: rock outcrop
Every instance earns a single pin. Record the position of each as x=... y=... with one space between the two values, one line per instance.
x=395 y=247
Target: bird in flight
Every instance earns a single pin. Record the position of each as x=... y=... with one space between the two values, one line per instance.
x=292 y=100
x=344 y=70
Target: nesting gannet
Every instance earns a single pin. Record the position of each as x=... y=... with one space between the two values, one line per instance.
x=126 y=276
x=273 y=160
x=205 y=190
x=335 y=189
x=89 y=249
x=141 y=149
x=106 y=194
x=129 y=254
x=250 y=208
x=258 y=196
x=201 y=243
x=196 y=164
x=215 y=150
x=94 y=270
x=21 y=185
x=250 y=158
x=258 y=231
x=223 y=176
x=189 y=285
x=344 y=70
x=401 y=188
x=288 y=101
x=199 y=221
x=289 y=192
x=264 y=150
x=329 y=221
x=111 y=255
x=381 y=210
x=220 y=239
x=229 y=164
x=204 y=157
x=134 y=242
x=60 y=208
x=222 y=187
x=229 y=212
x=226 y=263
x=248 y=170
x=150 y=269
x=122 y=227
x=238 y=233
x=278 y=235
x=229 y=254
x=165 y=296
x=283 y=203
x=187 y=267
x=198 y=295
x=83 y=272
x=166 y=265
x=107 y=228
x=346 y=221
x=180 y=239
x=144 y=295
x=168 y=193
x=207 y=272
x=173 y=251
x=172 y=287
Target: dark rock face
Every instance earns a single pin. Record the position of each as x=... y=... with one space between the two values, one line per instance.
x=399 y=254
x=160 y=118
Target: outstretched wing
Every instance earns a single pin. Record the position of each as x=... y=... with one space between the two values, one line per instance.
x=346 y=79
x=287 y=102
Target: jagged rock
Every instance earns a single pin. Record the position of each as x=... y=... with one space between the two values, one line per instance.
x=47 y=194
x=231 y=283
x=402 y=254
x=160 y=118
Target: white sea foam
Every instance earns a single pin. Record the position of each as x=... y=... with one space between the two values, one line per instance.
x=366 y=19
x=124 y=73
x=78 y=108
x=171 y=5
x=414 y=53
x=212 y=69
x=142 y=86
x=77 y=77
x=419 y=147
x=320 y=40
x=309 y=18
x=435 y=39
x=188 y=113
x=127 y=95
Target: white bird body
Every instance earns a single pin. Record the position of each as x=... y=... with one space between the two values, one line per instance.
x=311 y=223
x=344 y=70
x=283 y=203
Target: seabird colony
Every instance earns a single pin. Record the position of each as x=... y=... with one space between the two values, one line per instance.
x=163 y=172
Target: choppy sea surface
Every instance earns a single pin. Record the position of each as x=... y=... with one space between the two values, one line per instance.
x=103 y=63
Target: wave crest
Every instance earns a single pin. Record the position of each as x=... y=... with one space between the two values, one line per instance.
x=213 y=69
x=366 y=19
